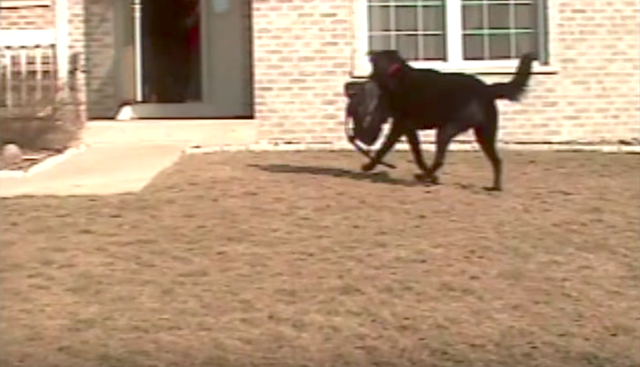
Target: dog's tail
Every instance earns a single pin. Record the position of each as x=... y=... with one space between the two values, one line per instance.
x=514 y=89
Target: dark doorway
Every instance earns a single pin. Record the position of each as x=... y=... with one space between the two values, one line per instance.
x=171 y=51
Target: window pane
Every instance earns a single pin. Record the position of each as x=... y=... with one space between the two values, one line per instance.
x=379 y=18
x=406 y=18
x=499 y=17
x=408 y=46
x=433 y=47
x=473 y=47
x=433 y=18
x=526 y=42
x=525 y=16
x=380 y=42
x=507 y=26
x=499 y=46
x=472 y=17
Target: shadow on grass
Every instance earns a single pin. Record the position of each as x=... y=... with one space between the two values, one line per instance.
x=377 y=177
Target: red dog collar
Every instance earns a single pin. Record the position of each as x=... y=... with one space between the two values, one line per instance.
x=394 y=69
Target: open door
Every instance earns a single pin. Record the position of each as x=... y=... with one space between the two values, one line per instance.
x=186 y=59
x=125 y=40
x=227 y=56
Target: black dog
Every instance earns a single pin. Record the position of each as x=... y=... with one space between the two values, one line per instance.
x=451 y=103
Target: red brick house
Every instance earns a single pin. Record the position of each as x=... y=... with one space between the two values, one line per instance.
x=281 y=63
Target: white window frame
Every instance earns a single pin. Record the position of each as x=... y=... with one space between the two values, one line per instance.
x=15 y=38
x=453 y=33
x=6 y=4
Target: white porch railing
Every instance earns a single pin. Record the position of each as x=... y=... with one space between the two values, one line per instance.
x=27 y=72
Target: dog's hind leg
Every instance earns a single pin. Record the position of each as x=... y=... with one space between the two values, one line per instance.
x=416 y=151
x=486 y=137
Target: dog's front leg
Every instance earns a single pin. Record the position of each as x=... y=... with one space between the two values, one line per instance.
x=416 y=151
x=395 y=134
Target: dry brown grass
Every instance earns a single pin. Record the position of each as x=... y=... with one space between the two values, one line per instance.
x=261 y=259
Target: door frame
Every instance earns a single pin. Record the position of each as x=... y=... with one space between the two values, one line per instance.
x=131 y=107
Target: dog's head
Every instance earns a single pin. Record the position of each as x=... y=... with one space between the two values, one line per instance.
x=387 y=67
x=367 y=108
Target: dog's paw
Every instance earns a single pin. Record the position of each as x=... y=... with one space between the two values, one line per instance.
x=421 y=176
x=493 y=188
x=427 y=178
x=368 y=167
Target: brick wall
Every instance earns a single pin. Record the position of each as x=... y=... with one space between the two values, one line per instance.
x=77 y=47
x=302 y=58
x=27 y=17
x=92 y=45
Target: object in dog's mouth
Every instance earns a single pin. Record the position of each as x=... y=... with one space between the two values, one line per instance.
x=366 y=109
x=368 y=112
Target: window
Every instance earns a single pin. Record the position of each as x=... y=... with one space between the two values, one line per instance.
x=415 y=28
x=453 y=32
x=494 y=30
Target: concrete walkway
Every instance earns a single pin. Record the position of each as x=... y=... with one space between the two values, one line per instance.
x=98 y=170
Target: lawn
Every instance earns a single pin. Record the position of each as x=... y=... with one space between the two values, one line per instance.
x=297 y=259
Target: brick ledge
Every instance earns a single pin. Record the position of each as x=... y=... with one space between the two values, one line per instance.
x=557 y=147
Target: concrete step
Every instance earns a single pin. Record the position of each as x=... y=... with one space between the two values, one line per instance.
x=185 y=132
x=98 y=170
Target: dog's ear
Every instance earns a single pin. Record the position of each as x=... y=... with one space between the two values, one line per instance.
x=373 y=55
x=352 y=88
x=394 y=54
x=382 y=54
x=390 y=62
